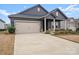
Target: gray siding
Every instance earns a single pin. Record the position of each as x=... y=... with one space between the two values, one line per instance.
x=60 y=16
x=49 y=17
x=34 y=11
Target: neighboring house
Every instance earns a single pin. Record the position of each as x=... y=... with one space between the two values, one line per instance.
x=2 y=25
x=37 y=19
x=72 y=24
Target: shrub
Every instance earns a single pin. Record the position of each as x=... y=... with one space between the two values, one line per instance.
x=77 y=30
x=59 y=32
x=62 y=31
x=11 y=29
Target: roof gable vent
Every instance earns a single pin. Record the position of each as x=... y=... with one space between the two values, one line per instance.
x=38 y=9
x=56 y=13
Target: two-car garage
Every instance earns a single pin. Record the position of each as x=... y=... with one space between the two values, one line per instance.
x=23 y=26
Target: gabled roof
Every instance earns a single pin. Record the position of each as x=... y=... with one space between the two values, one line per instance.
x=57 y=9
x=2 y=21
x=36 y=16
x=29 y=15
x=38 y=5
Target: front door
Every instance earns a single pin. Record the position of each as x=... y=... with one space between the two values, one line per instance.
x=57 y=25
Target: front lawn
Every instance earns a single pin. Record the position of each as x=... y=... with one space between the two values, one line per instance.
x=6 y=43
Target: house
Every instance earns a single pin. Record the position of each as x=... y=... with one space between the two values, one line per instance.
x=2 y=25
x=72 y=24
x=37 y=19
x=32 y=20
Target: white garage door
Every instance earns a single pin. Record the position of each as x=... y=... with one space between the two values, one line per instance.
x=28 y=27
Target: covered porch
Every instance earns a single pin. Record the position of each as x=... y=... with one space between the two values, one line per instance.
x=53 y=24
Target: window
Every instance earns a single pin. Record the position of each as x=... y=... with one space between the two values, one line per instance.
x=38 y=9
x=56 y=13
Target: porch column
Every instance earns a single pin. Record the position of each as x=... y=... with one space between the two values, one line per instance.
x=65 y=25
x=54 y=25
x=44 y=24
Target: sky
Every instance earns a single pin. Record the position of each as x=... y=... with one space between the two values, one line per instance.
x=70 y=10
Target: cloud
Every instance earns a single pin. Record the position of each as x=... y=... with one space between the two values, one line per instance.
x=71 y=9
x=4 y=12
x=68 y=13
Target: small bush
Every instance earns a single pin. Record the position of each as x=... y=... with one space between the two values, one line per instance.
x=77 y=30
x=11 y=29
x=62 y=30
x=59 y=32
x=68 y=31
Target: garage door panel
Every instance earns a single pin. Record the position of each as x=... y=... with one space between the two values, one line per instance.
x=27 y=27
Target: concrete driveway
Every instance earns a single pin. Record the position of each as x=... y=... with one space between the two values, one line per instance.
x=39 y=43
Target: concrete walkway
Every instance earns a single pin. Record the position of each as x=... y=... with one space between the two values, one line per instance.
x=43 y=44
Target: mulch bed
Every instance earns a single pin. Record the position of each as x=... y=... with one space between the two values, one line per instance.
x=74 y=38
